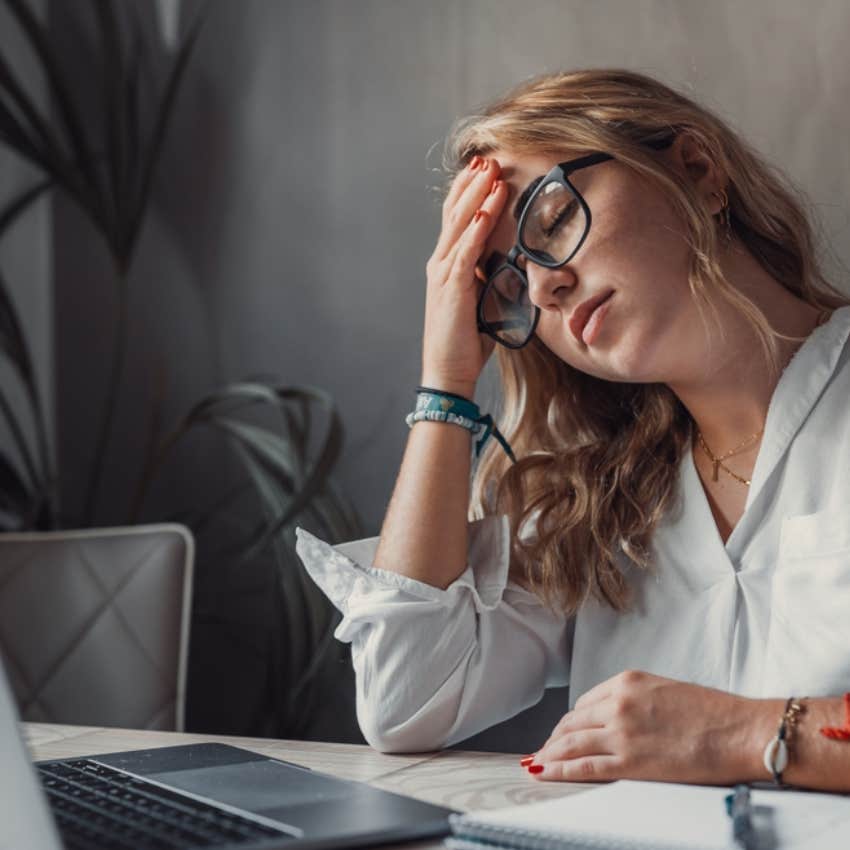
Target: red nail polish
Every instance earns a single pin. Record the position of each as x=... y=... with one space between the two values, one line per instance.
x=535 y=768
x=526 y=761
x=475 y=163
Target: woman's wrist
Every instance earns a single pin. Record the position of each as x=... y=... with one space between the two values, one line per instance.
x=764 y=719
x=448 y=385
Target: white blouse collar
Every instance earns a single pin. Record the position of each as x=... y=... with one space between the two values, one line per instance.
x=796 y=393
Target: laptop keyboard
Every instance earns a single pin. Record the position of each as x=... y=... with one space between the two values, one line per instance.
x=99 y=808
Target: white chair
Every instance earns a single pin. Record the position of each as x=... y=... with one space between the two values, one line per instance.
x=94 y=624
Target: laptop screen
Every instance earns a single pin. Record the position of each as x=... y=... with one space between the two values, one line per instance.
x=25 y=820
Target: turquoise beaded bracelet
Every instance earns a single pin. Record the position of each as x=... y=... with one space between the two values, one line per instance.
x=440 y=406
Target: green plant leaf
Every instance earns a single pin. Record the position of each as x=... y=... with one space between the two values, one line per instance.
x=86 y=191
x=17 y=137
x=19 y=439
x=133 y=121
x=221 y=403
x=16 y=498
x=43 y=144
x=12 y=340
x=243 y=395
x=161 y=122
x=290 y=481
x=114 y=107
x=314 y=482
x=13 y=345
x=21 y=203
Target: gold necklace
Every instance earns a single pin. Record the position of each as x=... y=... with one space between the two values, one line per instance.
x=718 y=461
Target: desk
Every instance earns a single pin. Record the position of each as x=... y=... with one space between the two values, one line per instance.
x=460 y=780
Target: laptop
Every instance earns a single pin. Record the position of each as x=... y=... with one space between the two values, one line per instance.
x=200 y=795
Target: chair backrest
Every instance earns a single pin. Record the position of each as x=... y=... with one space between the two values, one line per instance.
x=94 y=625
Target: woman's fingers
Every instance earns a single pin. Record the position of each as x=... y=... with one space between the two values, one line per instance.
x=573 y=745
x=457 y=218
x=601 y=768
x=490 y=210
x=461 y=181
x=593 y=716
x=469 y=248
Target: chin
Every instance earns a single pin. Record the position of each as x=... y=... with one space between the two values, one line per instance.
x=623 y=361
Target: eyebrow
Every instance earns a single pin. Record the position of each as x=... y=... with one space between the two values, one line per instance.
x=522 y=200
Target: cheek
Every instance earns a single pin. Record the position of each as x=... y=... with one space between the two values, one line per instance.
x=645 y=241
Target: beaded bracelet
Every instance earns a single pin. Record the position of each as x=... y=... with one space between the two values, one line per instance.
x=440 y=406
x=776 y=753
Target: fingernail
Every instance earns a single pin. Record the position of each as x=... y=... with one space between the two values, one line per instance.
x=535 y=768
x=526 y=761
x=475 y=163
x=479 y=214
x=496 y=186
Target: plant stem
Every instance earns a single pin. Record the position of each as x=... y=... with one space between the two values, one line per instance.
x=119 y=355
x=51 y=484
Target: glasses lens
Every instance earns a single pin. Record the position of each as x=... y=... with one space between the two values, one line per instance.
x=554 y=224
x=506 y=309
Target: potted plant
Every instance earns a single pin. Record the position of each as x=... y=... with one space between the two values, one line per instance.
x=286 y=461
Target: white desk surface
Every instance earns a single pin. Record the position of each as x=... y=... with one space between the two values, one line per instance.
x=453 y=778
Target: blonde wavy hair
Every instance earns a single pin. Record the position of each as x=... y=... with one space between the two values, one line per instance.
x=597 y=461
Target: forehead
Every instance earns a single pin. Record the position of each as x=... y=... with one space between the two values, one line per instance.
x=518 y=170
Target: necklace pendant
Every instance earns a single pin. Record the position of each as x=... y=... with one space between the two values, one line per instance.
x=714 y=474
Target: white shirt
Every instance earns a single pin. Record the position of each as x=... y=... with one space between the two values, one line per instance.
x=767 y=614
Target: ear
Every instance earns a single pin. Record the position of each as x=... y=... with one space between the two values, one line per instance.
x=688 y=157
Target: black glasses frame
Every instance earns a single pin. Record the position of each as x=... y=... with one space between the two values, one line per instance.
x=559 y=173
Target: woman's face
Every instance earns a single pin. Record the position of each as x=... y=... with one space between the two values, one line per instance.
x=648 y=329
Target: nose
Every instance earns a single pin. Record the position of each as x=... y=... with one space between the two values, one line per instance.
x=548 y=289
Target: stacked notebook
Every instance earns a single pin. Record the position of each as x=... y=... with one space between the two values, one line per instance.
x=657 y=816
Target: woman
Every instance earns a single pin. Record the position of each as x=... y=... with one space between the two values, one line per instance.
x=673 y=539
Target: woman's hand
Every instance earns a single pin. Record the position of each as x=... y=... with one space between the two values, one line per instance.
x=640 y=726
x=454 y=352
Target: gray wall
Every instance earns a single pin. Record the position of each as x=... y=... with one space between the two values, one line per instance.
x=295 y=208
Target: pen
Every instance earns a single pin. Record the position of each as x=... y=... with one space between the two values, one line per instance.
x=738 y=808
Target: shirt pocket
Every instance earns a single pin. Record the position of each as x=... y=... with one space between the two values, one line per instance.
x=808 y=643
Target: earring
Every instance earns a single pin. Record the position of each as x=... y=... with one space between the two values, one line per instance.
x=725 y=216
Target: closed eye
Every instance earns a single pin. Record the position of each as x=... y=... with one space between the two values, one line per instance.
x=563 y=214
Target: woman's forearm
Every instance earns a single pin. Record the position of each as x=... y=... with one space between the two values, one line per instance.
x=424 y=535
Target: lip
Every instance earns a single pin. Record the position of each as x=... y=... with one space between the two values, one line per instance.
x=581 y=314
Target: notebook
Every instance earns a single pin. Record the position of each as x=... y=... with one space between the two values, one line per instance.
x=628 y=815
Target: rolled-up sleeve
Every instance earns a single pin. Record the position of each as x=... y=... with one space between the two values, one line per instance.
x=435 y=666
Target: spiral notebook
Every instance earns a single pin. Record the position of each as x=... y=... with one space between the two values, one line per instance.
x=629 y=815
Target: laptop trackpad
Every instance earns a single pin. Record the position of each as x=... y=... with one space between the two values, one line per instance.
x=255 y=785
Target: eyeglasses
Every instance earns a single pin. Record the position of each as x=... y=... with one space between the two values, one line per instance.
x=553 y=223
